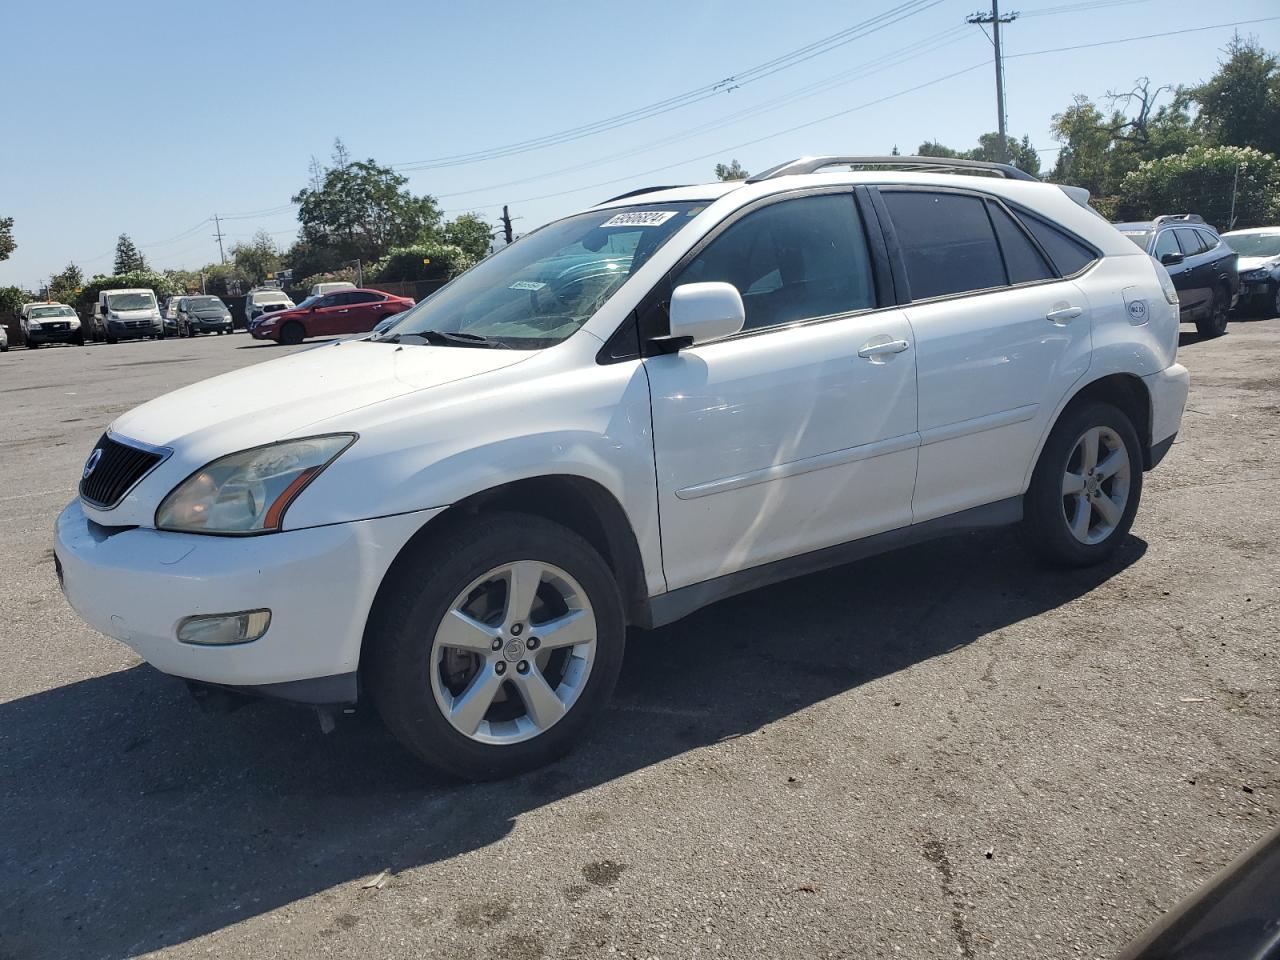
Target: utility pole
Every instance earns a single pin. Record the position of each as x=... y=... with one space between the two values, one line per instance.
x=995 y=19
x=1235 y=184
x=506 y=224
x=217 y=224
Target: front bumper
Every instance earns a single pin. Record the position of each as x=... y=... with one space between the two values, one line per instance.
x=136 y=584
x=42 y=336
x=210 y=326
x=133 y=329
x=1168 y=390
x=262 y=332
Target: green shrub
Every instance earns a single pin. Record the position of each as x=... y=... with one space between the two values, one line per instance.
x=1201 y=181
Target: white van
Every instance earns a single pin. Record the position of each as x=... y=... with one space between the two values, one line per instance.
x=320 y=289
x=262 y=300
x=127 y=315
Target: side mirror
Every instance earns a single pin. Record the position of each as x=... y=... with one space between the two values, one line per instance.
x=705 y=311
x=1169 y=259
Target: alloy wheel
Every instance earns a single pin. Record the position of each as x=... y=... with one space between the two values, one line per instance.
x=1095 y=485
x=513 y=653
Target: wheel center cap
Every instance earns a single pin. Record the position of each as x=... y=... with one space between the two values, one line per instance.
x=513 y=651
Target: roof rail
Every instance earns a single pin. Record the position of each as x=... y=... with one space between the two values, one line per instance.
x=636 y=193
x=1183 y=217
x=930 y=164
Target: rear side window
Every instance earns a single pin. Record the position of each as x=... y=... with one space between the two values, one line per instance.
x=362 y=297
x=1210 y=241
x=1068 y=254
x=793 y=260
x=947 y=241
x=1023 y=261
x=1190 y=242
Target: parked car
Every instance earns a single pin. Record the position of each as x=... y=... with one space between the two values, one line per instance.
x=262 y=300
x=127 y=314
x=169 y=315
x=4 y=339
x=790 y=372
x=320 y=289
x=43 y=323
x=1203 y=268
x=333 y=314
x=1259 y=268
x=203 y=314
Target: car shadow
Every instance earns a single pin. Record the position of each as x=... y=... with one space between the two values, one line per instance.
x=132 y=821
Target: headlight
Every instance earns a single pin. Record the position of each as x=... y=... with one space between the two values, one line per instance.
x=33 y=324
x=1254 y=275
x=248 y=492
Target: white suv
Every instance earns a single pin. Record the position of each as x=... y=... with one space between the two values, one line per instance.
x=631 y=413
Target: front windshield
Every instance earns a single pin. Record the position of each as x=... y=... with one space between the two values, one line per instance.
x=131 y=301
x=1255 y=244
x=41 y=312
x=540 y=290
x=205 y=303
x=309 y=302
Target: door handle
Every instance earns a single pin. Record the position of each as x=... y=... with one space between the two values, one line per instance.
x=1064 y=314
x=872 y=350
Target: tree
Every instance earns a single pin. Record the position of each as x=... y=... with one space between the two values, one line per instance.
x=1100 y=148
x=7 y=243
x=66 y=285
x=159 y=283
x=257 y=258
x=1203 y=180
x=1240 y=104
x=471 y=233
x=362 y=210
x=129 y=258
x=12 y=298
x=731 y=171
x=425 y=261
x=1021 y=153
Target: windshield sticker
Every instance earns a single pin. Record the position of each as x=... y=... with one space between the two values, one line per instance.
x=526 y=285
x=640 y=218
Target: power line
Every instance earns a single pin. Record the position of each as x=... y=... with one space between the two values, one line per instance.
x=1145 y=36
x=995 y=19
x=927 y=45
x=733 y=82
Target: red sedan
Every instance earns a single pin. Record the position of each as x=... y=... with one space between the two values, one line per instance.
x=340 y=312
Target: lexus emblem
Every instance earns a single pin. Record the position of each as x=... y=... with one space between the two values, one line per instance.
x=92 y=463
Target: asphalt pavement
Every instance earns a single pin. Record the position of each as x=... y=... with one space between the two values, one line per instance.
x=950 y=751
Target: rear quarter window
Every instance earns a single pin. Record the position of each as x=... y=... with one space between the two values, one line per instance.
x=1068 y=254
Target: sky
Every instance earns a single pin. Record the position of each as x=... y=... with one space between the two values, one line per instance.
x=150 y=118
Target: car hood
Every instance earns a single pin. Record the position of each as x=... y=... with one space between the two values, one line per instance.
x=1253 y=263
x=210 y=314
x=290 y=396
x=146 y=313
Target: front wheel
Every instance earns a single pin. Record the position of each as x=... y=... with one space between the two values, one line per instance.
x=1215 y=324
x=495 y=647
x=292 y=333
x=1086 y=487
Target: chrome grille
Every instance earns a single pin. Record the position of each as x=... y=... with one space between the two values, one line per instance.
x=118 y=468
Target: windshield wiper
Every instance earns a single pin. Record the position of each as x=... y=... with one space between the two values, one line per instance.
x=441 y=338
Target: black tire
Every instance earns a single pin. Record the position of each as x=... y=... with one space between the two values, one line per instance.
x=1215 y=324
x=32 y=346
x=1045 y=528
x=398 y=654
x=292 y=333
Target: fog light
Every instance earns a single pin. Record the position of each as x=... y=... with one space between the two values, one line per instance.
x=224 y=628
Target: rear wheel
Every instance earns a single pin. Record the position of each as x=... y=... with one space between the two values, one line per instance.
x=496 y=647
x=292 y=333
x=1215 y=324
x=1086 y=487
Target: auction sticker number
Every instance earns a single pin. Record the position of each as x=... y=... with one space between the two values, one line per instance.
x=639 y=218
